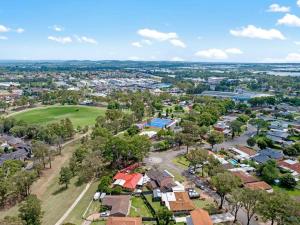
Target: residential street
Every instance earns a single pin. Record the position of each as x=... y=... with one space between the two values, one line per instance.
x=164 y=160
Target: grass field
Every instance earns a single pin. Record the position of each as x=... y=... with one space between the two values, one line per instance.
x=55 y=199
x=79 y=115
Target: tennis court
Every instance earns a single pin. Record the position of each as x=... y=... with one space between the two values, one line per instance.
x=160 y=123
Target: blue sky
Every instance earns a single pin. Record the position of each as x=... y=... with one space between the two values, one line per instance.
x=190 y=30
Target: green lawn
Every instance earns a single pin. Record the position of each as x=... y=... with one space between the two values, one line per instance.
x=181 y=161
x=156 y=205
x=76 y=215
x=79 y=115
x=138 y=208
x=295 y=192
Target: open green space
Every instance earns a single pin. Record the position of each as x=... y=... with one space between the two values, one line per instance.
x=79 y=115
x=82 y=207
x=292 y=192
x=181 y=161
x=139 y=208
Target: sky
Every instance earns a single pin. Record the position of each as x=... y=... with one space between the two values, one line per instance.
x=150 y=30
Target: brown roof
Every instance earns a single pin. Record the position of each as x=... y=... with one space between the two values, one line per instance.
x=182 y=203
x=245 y=177
x=124 y=221
x=294 y=167
x=201 y=217
x=119 y=204
x=246 y=150
x=260 y=185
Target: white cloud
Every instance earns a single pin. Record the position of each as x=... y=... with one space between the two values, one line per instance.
x=252 y=31
x=178 y=43
x=156 y=35
x=289 y=20
x=57 y=28
x=278 y=8
x=137 y=44
x=297 y=42
x=177 y=59
x=212 y=53
x=84 y=39
x=20 y=30
x=234 y=51
x=290 y=58
x=298 y=3
x=61 y=40
x=134 y=58
x=147 y=42
x=3 y=38
x=4 y=29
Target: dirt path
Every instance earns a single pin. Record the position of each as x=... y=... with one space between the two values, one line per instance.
x=41 y=185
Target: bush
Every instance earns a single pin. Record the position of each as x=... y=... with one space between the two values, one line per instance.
x=116 y=190
x=288 y=181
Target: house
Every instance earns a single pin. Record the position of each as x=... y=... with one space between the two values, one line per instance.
x=245 y=177
x=128 y=181
x=260 y=185
x=242 y=152
x=252 y=182
x=290 y=165
x=160 y=179
x=149 y=134
x=268 y=154
x=119 y=204
x=124 y=221
x=178 y=202
x=199 y=217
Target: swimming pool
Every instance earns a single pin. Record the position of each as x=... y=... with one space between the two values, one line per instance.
x=159 y=123
x=233 y=162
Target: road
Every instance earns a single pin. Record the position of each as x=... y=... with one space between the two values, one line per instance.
x=165 y=160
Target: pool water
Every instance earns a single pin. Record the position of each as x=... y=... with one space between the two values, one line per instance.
x=160 y=123
x=233 y=162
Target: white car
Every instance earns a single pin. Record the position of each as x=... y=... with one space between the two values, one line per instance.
x=97 y=196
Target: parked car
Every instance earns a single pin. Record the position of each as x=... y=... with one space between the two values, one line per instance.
x=104 y=214
x=97 y=196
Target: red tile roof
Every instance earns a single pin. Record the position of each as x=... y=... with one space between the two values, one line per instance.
x=201 y=217
x=131 y=180
x=182 y=203
x=294 y=167
x=245 y=177
x=261 y=185
x=246 y=150
x=124 y=221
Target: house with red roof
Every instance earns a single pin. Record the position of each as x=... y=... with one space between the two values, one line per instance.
x=127 y=180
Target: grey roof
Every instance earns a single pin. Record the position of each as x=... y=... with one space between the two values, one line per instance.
x=119 y=204
x=268 y=154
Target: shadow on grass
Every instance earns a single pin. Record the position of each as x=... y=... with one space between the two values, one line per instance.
x=60 y=190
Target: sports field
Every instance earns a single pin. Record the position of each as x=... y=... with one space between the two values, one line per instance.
x=79 y=115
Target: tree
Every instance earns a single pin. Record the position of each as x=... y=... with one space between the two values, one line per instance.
x=164 y=216
x=225 y=183
x=30 y=211
x=261 y=143
x=40 y=151
x=133 y=130
x=288 y=181
x=198 y=157
x=65 y=176
x=235 y=201
x=278 y=207
x=251 y=142
x=250 y=200
x=215 y=137
x=259 y=123
x=236 y=127
x=23 y=180
x=269 y=171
